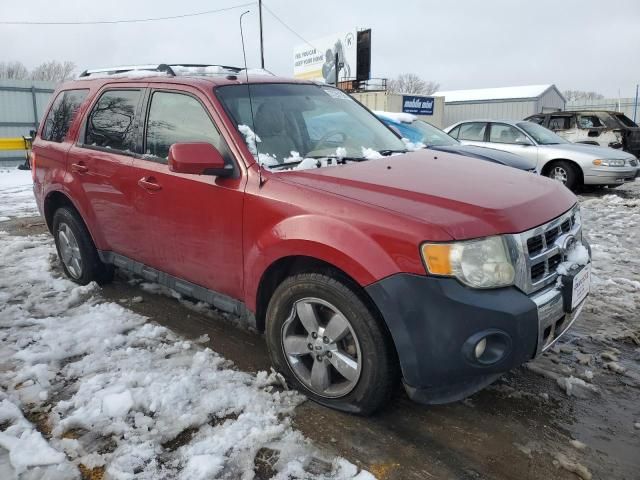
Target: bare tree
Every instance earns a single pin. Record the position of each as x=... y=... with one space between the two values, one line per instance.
x=53 y=71
x=572 y=95
x=412 y=84
x=13 y=71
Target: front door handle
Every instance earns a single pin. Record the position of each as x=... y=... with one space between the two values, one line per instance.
x=79 y=168
x=149 y=184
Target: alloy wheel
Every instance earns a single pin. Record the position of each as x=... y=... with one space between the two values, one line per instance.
x=322 y=348
x=559 y=174
x=69 y=250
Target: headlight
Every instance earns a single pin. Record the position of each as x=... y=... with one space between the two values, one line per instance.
x=481 y=263
x=611 y=162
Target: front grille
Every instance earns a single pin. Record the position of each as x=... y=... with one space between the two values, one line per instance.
x=541 y=254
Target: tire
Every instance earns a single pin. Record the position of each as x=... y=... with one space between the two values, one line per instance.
x=296 y=353
x=76 y=251
x=564 y=172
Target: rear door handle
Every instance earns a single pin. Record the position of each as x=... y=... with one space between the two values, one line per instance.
x=79 y=168
x=149 y=184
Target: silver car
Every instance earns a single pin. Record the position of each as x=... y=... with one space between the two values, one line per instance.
x=573 y=164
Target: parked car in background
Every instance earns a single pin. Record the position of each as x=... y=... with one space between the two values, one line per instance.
x=418 y=131
x=573 y=164
x=360 y=263
x=604 y=128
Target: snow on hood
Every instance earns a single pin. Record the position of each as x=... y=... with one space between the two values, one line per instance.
x=466 y=197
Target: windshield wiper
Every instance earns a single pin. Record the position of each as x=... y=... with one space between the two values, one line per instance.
x=339 y=161
x=386 y=153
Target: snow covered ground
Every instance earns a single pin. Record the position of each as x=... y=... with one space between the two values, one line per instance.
x=108 y=391
x=16 y=194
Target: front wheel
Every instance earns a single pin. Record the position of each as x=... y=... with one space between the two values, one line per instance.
x=329 y=345
x=565 y=173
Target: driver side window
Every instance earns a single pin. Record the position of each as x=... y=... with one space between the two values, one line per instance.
x=503 y=133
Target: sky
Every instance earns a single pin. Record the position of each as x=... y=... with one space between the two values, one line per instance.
x=461 y=44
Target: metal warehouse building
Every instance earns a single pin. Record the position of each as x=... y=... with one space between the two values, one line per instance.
x=507 y=103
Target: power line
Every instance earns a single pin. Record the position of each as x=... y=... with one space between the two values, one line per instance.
x=287 y=26
x=131 y=20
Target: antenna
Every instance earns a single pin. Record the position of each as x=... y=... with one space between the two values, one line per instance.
x=253 y=122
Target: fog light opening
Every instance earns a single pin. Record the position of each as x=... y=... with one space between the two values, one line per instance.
x=481 y=346
x=487 y=347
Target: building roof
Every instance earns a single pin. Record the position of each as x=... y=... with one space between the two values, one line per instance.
x=502 y=93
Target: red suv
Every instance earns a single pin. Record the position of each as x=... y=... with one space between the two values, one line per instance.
x=290 y=205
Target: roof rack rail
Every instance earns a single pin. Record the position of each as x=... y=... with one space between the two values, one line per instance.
x=163 y=67
x=172 y=69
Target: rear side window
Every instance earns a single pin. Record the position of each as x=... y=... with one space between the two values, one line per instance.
x=472 y=131
x=175 y=118
x=61 y=114
x=626 y=121
x=590 y=121
x=111 y=123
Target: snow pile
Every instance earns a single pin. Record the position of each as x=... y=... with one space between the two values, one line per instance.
x=27 y=448
x=126 y=395
x=252 y=140
x=411 y=146
x=397 y=116
x=612 y=226
x=371 y=154
x=16 y=194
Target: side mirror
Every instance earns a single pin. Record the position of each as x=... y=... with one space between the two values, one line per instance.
x=200 y=158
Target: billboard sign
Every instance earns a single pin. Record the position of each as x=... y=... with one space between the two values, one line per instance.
x=316 y=60
x=417 y=105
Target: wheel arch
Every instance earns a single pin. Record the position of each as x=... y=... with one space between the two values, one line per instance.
x=291 y=265
x=547 y=166
x=57 y=199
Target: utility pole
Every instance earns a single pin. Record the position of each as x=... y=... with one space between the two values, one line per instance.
x=635 y=106
x=261 y=40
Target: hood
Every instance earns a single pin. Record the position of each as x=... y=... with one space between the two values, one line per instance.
x=489 y=154
x=593 y=151
x=465 y=197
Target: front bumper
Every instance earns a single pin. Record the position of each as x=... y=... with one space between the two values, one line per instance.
x=434 y=320
x=609 y=175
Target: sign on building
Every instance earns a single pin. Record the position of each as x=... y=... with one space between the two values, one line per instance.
x=417 y=105
x=316 y=60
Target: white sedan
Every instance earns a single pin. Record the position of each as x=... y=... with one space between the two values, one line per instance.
x=573 y=164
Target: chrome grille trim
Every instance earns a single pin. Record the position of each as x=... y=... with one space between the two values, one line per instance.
x=524 y=261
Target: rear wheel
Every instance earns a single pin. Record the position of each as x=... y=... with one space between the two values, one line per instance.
x=76 y=250
x=565 y=173
x=327 y=343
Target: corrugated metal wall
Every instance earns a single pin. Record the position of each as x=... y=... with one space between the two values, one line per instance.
x=493 y=109
x=22 y=103
x=550 y=101
x=515 y=109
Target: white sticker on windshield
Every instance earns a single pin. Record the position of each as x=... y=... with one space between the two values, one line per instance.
x=335 y=93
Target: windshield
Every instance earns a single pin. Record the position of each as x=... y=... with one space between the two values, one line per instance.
x=543 y=136
x=432 y=136
x=293 y=122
